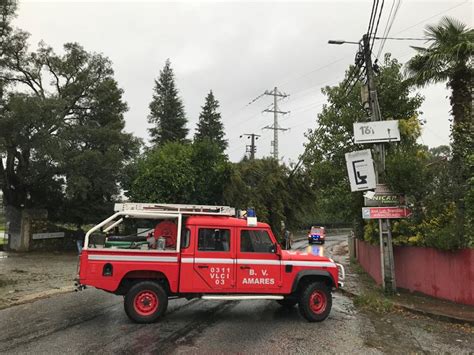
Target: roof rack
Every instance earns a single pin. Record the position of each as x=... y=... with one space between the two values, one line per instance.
x=175 y=208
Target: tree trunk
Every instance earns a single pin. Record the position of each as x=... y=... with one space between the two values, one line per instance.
x=462 y=137
x=13 y=230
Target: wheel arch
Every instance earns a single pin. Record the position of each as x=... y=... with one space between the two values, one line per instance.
x=134 y=276
x=306 y=276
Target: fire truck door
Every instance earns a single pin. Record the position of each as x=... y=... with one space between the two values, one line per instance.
x=258 y=266
x=214 y=260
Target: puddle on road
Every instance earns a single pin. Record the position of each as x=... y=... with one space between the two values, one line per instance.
x=3 y=255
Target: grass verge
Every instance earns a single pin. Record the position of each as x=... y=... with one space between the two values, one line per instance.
x=372 y=297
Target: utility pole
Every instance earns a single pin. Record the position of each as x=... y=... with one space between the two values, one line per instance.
x=385 y=234
x=252 y=149
x=276 y=94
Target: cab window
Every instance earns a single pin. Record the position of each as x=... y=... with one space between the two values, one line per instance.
x=255 y=241
x=210 y=239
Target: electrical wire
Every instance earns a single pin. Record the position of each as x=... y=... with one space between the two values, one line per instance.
x=377 y=26
x=404 y=38
x=388 y=27
x=372 y=16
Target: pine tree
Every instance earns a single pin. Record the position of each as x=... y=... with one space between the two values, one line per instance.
x=210 y=126
x=167 y=110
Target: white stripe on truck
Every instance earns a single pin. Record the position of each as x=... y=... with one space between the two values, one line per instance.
x=169 y=259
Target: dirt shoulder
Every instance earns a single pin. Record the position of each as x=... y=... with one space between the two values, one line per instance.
x=25 y=277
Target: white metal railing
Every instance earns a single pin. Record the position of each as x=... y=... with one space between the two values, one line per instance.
x=137 y=214
x=177 y=208
x=157 y=211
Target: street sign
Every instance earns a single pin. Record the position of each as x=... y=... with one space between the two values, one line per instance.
x=385 y=212
x=376 y=132
x=360 y=168
x=383 y=197
x=53 y=235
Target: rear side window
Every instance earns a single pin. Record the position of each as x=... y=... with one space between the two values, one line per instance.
x=255 y=241
x=210 y=239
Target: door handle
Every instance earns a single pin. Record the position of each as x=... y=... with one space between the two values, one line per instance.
x=245 y=267
x=203 y=266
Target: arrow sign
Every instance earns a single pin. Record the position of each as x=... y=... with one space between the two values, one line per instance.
x=376 y=132
x=385 y=212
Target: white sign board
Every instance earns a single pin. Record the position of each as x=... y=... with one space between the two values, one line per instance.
x=360 y=168
x=376 y=132
x=48 y=235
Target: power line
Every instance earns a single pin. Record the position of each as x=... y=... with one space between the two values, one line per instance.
x=255 y=99
x=404 y=38
x=429 y=18
x=389 y=24
x=418 y=23
x=377 y=26
x=372 y=17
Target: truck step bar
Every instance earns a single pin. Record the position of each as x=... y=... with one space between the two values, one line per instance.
x=242 y=297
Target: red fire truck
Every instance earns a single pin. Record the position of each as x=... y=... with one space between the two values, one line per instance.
x=201 y=252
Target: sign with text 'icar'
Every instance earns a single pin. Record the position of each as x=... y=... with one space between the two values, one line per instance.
x=360 y=168
x=376 y=132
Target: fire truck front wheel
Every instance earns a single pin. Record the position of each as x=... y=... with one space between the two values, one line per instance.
x=145 y=302
x=315 y=301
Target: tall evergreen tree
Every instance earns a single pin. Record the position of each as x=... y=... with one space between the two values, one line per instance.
x=167 y=110
x=210 y=125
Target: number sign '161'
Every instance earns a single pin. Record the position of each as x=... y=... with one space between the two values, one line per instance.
x=376 y=132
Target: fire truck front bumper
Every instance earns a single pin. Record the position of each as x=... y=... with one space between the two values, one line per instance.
x=341 y=274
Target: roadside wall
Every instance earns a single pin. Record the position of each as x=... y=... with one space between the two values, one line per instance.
x=369 y=258
x=440 y=274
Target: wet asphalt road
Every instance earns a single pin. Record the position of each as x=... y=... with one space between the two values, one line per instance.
x=93 y=321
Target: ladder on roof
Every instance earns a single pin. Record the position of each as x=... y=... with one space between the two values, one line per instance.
x=175 y=208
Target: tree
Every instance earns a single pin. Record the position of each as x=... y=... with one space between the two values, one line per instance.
x=449 y=58
x=61 y=132
x=181 y=173
x=212 y=171
x=164 y=174
x=166 y=110
x=276 y=194
x=210 y=125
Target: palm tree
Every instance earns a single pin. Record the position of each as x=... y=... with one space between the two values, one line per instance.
x=448 y=58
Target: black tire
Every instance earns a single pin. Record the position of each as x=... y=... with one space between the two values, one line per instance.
x=288 y=302
x=145 y=302
x=315 y=302
x=322 y=242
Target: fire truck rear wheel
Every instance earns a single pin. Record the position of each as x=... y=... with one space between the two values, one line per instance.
x=315 y=302
x=145 y=302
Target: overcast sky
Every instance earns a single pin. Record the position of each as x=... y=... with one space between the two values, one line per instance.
x=239 y=50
